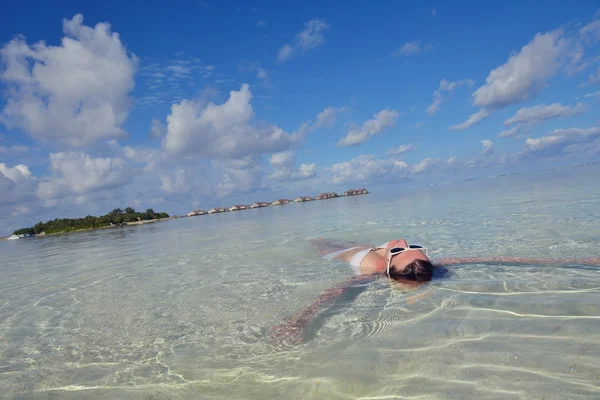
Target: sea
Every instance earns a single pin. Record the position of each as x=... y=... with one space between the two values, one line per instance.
x=185 y=308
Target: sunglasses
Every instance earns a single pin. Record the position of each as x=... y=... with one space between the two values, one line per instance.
x=397 y=250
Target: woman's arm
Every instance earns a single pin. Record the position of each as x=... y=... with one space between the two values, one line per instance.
x=291 y=331
x=516 y=260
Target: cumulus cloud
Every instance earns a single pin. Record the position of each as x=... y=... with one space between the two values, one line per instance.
x=177 y=182
x=543 y=112
x=510 y=132
x=157 y=129
x=311 y=37
x=284 y=165
x=426 y=165
x=367 y=168
x=472 y=120
x=558 y=141
x=75 y=93
x=305 y=171
x=283 y=159
x=76 y=173
x=222 y=130
x=525 y=73
x=403 y=148
x=239 y=176
x=17 y=174
x=15 y=183
x=445 y=87
x=382 y=120
x=488 y=146
x=327 y=116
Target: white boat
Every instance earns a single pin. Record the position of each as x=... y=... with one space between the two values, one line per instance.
x=13 y=237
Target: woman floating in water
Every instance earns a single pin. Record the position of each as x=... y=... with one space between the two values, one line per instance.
x=407 y=265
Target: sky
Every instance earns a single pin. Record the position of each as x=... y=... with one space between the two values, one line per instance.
x=194 y=105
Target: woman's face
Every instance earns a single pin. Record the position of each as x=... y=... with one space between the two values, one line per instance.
x=400 y=261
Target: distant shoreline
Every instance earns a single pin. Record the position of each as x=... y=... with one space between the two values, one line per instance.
x=143 y=222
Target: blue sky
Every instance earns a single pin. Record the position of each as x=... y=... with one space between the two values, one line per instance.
x=207 y=103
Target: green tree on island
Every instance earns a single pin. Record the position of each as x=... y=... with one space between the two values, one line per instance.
x=115 y=217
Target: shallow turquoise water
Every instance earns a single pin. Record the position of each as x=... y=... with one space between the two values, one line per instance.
x=184 y=308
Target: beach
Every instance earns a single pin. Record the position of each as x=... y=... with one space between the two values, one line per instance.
x=185 y=308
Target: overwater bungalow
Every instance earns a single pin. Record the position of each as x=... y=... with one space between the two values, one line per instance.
x=326 y=195
x=302 y=199
x=280 y=202
x=196 y=212
x=354 y=192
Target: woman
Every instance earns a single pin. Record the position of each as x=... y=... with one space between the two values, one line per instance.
x=395 y=258
x=407 y=265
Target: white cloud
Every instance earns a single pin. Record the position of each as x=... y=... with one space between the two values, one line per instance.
x=175 y=183
x=327 y=116
x=403 y=148
x=472 y=120
x=445 y=86
x=543 y=112
x=426 y=165
x=488 y=146
x=409 y=48
x=593 y=94
x=525 y=73
x=543 y=142
x=559 y=141
x=239 y=177
x=367 y=168
x=17 y=174
x=284 y=165
x=76 y=93
x=305 y=171
x=307 y=39
x=77 y=173
x=16 y=183
x=510 y=132
x=222 y=130
x=283 y=159
x=384 y=119
x=157 y=129
x=261 y=24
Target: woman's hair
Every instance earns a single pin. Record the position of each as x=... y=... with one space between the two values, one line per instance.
x=418 y=270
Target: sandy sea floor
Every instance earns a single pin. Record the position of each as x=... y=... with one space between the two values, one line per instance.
x=184 y=308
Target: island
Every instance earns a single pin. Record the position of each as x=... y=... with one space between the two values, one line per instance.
x=116 y=217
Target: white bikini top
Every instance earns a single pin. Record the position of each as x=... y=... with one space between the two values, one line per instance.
x=359 y=256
